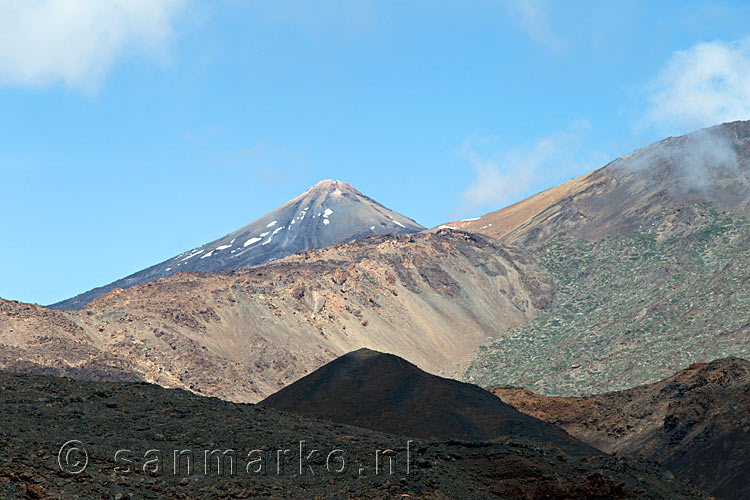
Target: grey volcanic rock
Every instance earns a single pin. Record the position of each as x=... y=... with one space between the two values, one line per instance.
x=386 y=393
x=329 y=213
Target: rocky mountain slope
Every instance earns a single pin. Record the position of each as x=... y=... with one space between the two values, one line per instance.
x=386 y=393
x=650 y=256
x=708 y=166
x=696 y=422
x=267 y=454
x=431 y=298
x=329 y=213
x=632 y=309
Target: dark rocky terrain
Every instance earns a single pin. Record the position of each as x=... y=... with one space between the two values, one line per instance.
x=385 y=393
x=696 y=423
x=241 y=335
x=329 y=213
x=40 y=414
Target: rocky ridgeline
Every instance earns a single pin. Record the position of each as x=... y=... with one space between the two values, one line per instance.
x=242 y=335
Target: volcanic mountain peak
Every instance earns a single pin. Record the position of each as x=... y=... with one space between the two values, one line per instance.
x=328 y=213
x=325 y=188
x=386 y=393
x=330 y=185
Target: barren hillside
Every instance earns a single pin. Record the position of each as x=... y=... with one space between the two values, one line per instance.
x=241 y=335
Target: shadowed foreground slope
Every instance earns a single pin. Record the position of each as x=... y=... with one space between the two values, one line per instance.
x=697 y=422
x=41 y=413
x=386 y=393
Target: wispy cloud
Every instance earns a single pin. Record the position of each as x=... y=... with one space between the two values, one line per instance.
x=503 y=176
x=45 y=42
x=706 y=84
x=696 y=162
x=532 y=17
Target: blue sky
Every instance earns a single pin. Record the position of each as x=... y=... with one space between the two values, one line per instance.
x=132 y=130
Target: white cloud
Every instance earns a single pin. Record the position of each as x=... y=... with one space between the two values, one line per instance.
x=75 y=42
x=704 y=85
x=503 y=176
x=531 y=15
x=695 y=161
